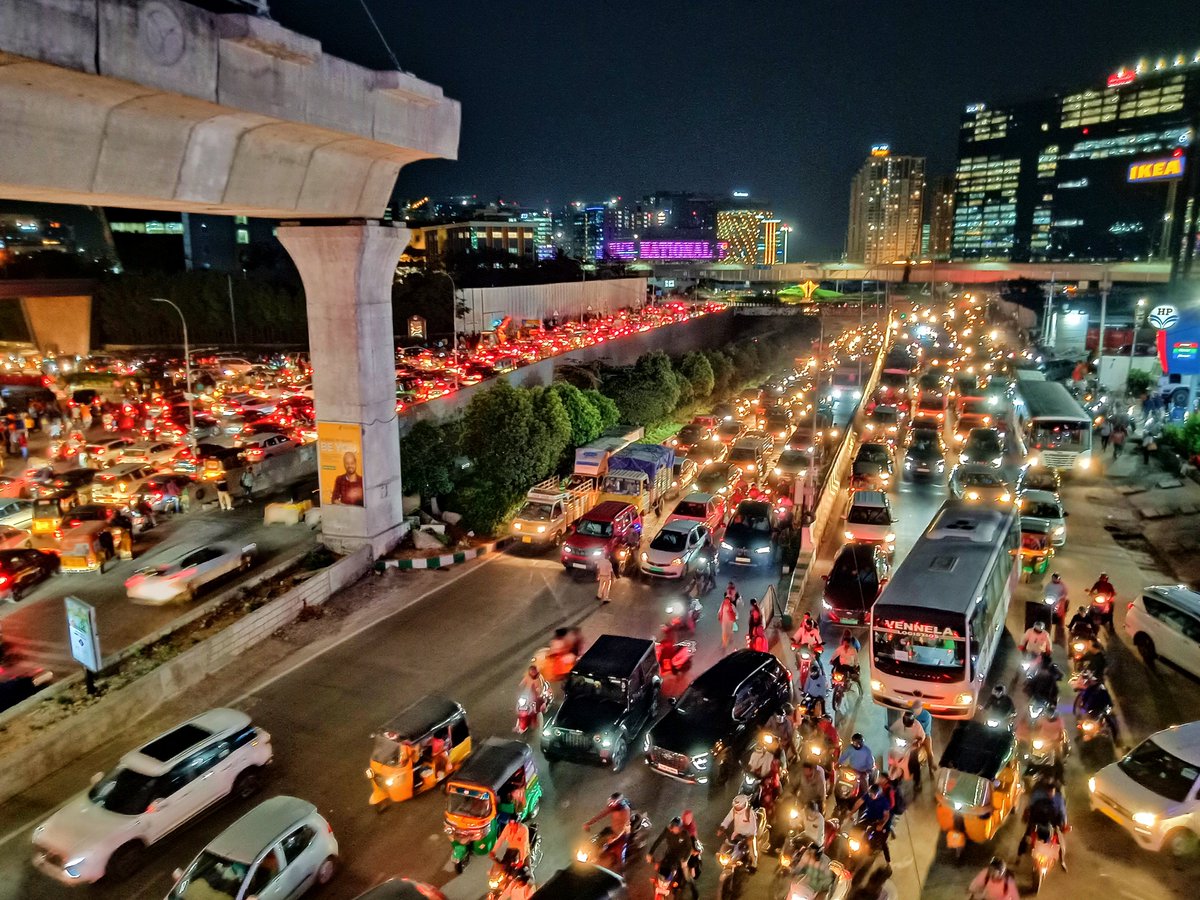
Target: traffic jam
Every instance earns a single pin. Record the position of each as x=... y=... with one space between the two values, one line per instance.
x=938 y=648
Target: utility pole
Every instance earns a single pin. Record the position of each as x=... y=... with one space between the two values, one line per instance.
x=232 y=313
x=1105 y=286
x=187 y=370
x=1137 y=315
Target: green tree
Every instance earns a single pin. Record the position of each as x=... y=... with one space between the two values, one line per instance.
x=610 y=415
x=584 y=417
x=722 y=369
x=646 y=392
x=1140 y=381
x=549 y=432
x=497 y=427
x=696 y=368
x=485 y=505
x=427 y=455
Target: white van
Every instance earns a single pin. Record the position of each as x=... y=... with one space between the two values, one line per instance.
x=1164 y=622
x=1152 y=792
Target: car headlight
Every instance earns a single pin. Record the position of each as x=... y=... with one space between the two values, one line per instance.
x=908 y=464
x=677 y=561
x=605 y=741
x=516 y=526
x=876 y=685
x=597 y=553
x=972 y=495
x=749 y=467
x=777 y=470
x=762 y=550
x=644 y=557
x=1092 y=785
x=1060 y=529
x=541 y=529
x=1085 y=463
x=964 y=698
x=1005 y=497
x=725 y=546
x=701 y=761
x=998 y=460
x=962 y=457
x=1145 y=819
x=545 y=732
x=941 y=465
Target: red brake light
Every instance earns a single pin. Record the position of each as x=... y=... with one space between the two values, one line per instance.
x=5 y=581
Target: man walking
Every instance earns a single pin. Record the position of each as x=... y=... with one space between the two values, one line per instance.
x=1106 y=431
x=224 y=500
x=1118 y=441
x=604 y=578
x=1149 y=445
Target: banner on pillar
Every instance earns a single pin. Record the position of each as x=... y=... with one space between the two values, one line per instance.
x=340 y=463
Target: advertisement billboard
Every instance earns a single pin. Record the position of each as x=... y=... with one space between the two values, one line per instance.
x=340 y=464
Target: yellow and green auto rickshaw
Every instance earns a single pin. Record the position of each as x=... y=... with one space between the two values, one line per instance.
x=417 y=749
x=979 y=784
x=49 y=510
x=81 y=549
x=499 y=782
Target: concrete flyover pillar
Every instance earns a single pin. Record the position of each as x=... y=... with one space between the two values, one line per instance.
x=347 y=272
x=59 y=324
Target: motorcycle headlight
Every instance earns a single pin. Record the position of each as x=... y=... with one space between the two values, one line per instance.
x=849 y=535
x=644 y=557
x=763 y=550
x=723 y=858
x=582 y=854
x=1038 y=744
x=701 y=761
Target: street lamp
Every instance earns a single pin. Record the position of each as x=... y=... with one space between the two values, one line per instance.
x=453 y=326
x=187 y=370
x=1137 y=317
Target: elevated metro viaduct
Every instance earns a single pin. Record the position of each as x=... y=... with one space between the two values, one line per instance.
x=159 y=104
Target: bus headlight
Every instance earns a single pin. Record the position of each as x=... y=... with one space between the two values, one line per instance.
x=1085 y=463
x=964 y=699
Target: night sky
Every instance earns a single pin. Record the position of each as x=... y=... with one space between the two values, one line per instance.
x=585 y=100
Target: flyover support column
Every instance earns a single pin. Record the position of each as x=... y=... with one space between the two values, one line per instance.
x=348 y=272
x=59 y=324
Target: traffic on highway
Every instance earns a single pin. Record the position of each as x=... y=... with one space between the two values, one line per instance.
x=944 y=697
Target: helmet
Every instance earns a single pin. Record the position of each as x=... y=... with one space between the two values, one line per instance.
x=616 y=800
x=676 y=822
x=1104 y=576
x=741 y=801
x=856 y=738
x=998 y=691
x=1039 y=626
x=1055 y=576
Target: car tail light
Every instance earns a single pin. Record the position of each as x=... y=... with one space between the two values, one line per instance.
x=5 y=581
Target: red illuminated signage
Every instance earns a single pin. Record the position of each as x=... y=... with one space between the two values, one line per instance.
x=1119 y=78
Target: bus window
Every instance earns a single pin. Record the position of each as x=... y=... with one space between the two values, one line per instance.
x=919 y=654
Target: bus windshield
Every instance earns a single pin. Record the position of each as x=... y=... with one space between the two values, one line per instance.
x=1050 y=434
x=933 y=654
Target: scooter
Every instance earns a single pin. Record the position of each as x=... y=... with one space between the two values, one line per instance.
x=603 y=849
x=1102 y=607
x=685 y=613
x=804 y=658
x=530 y=708
x=899 y=751
x=667 y=881
x=505 y=869
x=862 y=844
x=846 y=790
x=673 y=656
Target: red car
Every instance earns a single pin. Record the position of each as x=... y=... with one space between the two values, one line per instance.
x=612 y=529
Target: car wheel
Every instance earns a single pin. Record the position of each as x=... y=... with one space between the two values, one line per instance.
x=248 y=783
x=125 y=860
x=620 y=755
x=1181 y=842
x=327 y=870
x=1145 y=646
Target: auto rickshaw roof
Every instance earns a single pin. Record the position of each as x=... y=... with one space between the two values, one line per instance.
x=613 y=655
x=493 y=763
x=976 y=749
x=426 y=715
x=581 y=882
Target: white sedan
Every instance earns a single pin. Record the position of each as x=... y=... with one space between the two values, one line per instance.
x=676 y=550
x=180 y=580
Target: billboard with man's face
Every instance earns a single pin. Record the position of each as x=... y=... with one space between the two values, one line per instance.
x=340 y=463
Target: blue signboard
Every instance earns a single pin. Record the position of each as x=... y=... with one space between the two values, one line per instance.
x=1179 y=345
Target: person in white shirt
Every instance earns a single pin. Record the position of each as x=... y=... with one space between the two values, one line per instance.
x=1037 y=640
x=909 y=730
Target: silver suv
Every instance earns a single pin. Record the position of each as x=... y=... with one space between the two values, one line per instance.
x=152 y=791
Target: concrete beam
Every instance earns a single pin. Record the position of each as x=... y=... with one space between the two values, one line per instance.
x=59 y=325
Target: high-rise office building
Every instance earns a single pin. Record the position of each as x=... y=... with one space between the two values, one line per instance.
x=1091 y=174
x=749 y=237
x=886 y=199
x=939 y=217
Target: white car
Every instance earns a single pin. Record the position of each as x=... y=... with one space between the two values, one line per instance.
x=1152 y=791
x=154 y=454
x=261 y=446
x=180 y=580
x=675 y=550
x=277 y=851
x=152 y=791
x=106 y=452
x=870 y=520
x=1043 y=508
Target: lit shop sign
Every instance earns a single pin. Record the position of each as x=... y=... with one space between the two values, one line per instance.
x=1125 y=76
x=922 y=628
x=1182 y=350
x=1156 y=169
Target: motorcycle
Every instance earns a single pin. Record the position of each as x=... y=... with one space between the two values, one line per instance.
x=1093 y=724
x=846 y=790
x=602 y=849
x=505 y=869
x=734 y=860
x=530 y=708
x=805 y=654
x=1000 y=719
x=673 y=656
x=842 y=680
x=684 y=613
x=899 y=751
x=862 y=843
x=667 y=881
x=1102 y=607
x=1045 y=852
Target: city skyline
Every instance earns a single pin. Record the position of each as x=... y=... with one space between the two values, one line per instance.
x=583 y=105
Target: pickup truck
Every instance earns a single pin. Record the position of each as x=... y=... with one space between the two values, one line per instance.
x=641 y=475
x=551 y=507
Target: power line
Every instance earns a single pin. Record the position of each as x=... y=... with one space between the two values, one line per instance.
x=382 y=39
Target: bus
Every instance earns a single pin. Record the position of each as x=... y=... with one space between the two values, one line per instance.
x=937 y=625
x=1056 y=429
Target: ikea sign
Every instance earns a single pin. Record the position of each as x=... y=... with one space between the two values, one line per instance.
x=1156 y=169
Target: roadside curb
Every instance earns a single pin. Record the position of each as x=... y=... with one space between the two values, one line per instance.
x=441 y=562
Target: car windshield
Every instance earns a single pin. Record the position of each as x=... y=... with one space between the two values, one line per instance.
x=789 y=459
x=885 y=416
x=461 y=804
x=752 y=522
x=846 y=572
x=608 y=687
x=124 y=791
x=1157 y=770
x=984 y=443
x=743 y=454
x=592 y=528
x=868 y=515
x=386 y=750
x=1041 y=480
x=536 y=512
x=916 y=653
x=691 y=510
x=980 y=479
x=923 y=445
x=211 y=877
x=1050 y=435
x=1038 y=509
x=696 y=703
x=976 y=408
x=669 y=540
x=872 y=454
x=689 y=434
x=730 y=429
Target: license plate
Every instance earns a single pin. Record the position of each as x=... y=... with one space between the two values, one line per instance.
x=922 y=468
x=847 y=621
x=742 y=559
x=526 y=539
x=955 y=839
x=578 y=566
x=654 y=568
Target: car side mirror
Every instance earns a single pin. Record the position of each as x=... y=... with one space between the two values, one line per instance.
x=177 y=874
x=96 y=778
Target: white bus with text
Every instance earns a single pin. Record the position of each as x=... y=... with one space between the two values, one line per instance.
x=938 y=623
x=1057 y=431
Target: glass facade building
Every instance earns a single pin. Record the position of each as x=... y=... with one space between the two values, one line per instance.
x=1049 y=179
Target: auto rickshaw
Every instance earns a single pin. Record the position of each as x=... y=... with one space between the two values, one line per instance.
x=499 y=782
x=979 y=783
x=49 y=510
x=81 y=549
x=1036 y=549
x=417 y=749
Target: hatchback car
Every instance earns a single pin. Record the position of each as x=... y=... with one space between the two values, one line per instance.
x=722 y=478
x=707 y=509
x=676 y=550
x=852 y=586
x=106 y=452
x=689 y=436
x=263 y=446
x=708 y=453
x=1039 y=478
x=980 y=482
x=984 y=446
x=148 y=454
x=1044 y=509
x=683 y=473
x=120 y=483
x=277 y=851
x=923 y=457
x=152 y=791
x=718 y=717
x=729 y=431
x=869 y=519
x=611 y=696
x=1164 y=622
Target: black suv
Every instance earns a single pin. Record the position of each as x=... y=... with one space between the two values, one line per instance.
x=718 y=717
x=747 y=540
x=611 y=695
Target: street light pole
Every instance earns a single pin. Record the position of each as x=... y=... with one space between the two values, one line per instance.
x=187 y=370
x=453 y=326
x=1137 y=315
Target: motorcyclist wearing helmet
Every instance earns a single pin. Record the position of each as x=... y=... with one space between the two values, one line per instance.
x=1043 y=680
x=999 y=707
x=1103 y=586
x=909 y=730
x=784 y=729
x=1083 y=624
x=1037 y=640
x=1095 y=701
x=858 y=756
x=621 y=818
x=678 y=847
x=994 y=883
x=1046 y=809
x=741 y=822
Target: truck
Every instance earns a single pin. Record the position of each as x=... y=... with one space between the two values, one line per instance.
x=551 y=507
x=640 y=474
x=592 y=459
